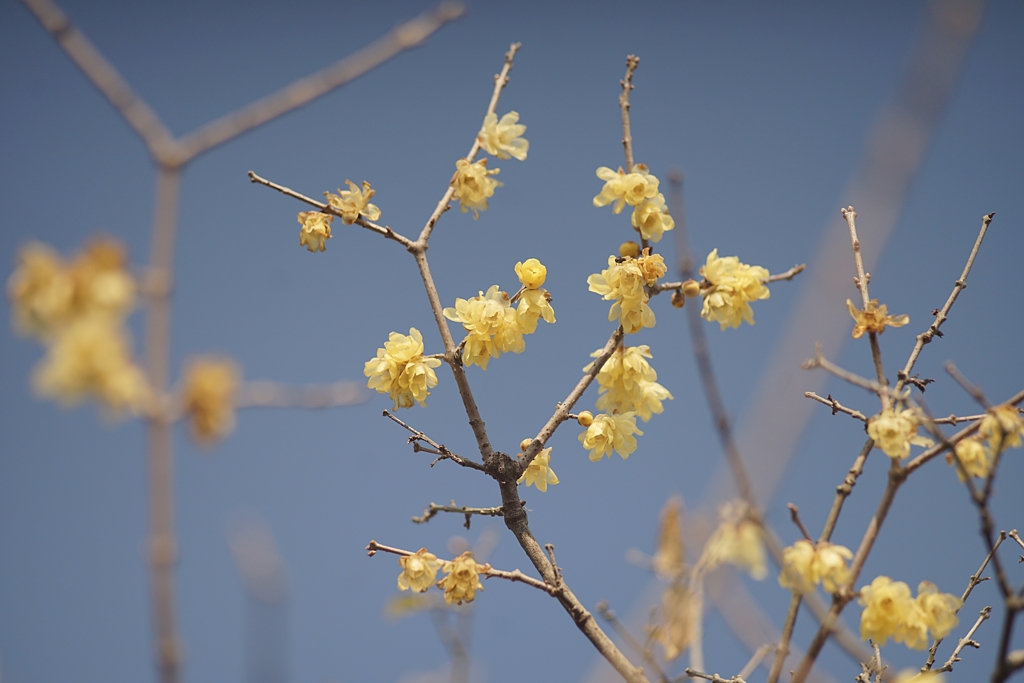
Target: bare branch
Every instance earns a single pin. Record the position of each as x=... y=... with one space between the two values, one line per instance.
x=431 y=511
x=986 y=612
x=437 y=448
x=836 y=406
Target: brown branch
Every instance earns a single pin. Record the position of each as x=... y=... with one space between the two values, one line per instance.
x=788 y=275
x=613 y=620
x=303 y=91
x=431 y=511
x=438 y=448
x=836 y=406
x=985 y=613
x=264 y=394
x=500 y=81
x=632 y=62
x=941 y=314
x=819 y=361
x=714 y=678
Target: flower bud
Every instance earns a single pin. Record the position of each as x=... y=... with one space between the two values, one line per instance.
x=629 y=249
x=524 y=444
x=691 y=288
x=678 y=299
x=585 y=418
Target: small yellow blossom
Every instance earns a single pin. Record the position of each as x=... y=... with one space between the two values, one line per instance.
x=539 y=473
x=625 y=188
x=473 y=185
x=691 y=288
x=874 y=318
x=609 y=433
x=895 y=432
x=939 y=609
x=315 y=231
x=41 y=291
x=585 y=418
x=102 y=281
x=209 y=397
x=534 y=304
x=805 y=564
x=973 y=456
x=627 y=383
x=652 y=266
x=419 y=571
x=503 y=138
x=532 y=273
x=494 y=327
x=917 y=676
x=524 y=444
x=462 y=580
x=1002 y=427
x=400 y=370
x=629 y=249
x=92 y=357
x=623 y=283
x=886 y=604
x=737 y=541
x=733 y=286
x=651 y=218
x=354 y=202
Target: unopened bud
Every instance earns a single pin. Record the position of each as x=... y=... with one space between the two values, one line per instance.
x=629 y=249
x=586 y=418
x=678 y=299
x=524 y=444
x=691 y=288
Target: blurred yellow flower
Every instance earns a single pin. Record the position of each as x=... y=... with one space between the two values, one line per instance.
x=623 y=283
x=874 y=318
x=804 y=565
x=401 y=371
x=609 y=433
x=208 y=397
x=353 y=203
x=733 y=286
x=651 y=218
x=1002 y=427
x=539 y=473
x=737 y=541
x=473 y=185
x=669 y=555
x=973 y=456
x=676 y=618
x=462 y=580
x=503 y=138
x=315 y=231
x=895 y=432
x=886 y=604
x=939 y=609
x=419 y=571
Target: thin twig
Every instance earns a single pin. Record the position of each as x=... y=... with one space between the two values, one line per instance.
x=819 y=361
x=972 y=389
x=794 y=515
x=438 y=448
x=941 y=314
x=788 y=275
x=836 y=406
x=986 y=612
x=714 y=678
x=632 y=62
x=613 y=620
x=431 y=511
x=755 y=660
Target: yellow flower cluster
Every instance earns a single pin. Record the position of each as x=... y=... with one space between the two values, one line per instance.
x=462 y=580
x=419 y=571
x=875 y=318
x=503 y=138
x=539 y=473
x=627 y=383
x=731 y=287
x=354 y=202
x=895 y=432
x=805 y=564
x=315 y=230
x=473 y=185
x=638 y=189
x=208 y=397
x=623 y=282
x=890 y=612
x=609 y=433
x=493 y=326
x=77 y=310
x=401 y=371
x=736 y=541
x=1002 y=427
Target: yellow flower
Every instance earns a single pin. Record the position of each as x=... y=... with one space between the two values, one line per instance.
x=539 y=472
x=533 y=305
x=736 y=541
x=973 y=456
x=92 y=356
x=627 y=383
x=676 y=617
x=462 y=580
x=805 y=564
x=669 y=556
x=652 y=266
x=102 y=281
x=1002 y=427
x=886 y=605
x=400 y=370
x=503 y=138
x=623 y=283
x=532 y=273
x=894 y=432
x=651 y=218
x=315 y=231
x=419 y=571
x=939 y=609
x=209 y=397
x=625 y=188
x=630 y=249
x=917 y=676
x=733 y=286
x=493 y=326
x=609 y=433
x=585 y=418
x=41 y=291
x=473 y=185
x=874 y=318
x=353 y=203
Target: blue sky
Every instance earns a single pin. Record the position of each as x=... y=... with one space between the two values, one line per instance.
x=765 y=107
